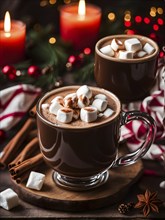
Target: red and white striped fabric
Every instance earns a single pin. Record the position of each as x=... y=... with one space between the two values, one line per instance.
x=15 y=101
x=154 y=105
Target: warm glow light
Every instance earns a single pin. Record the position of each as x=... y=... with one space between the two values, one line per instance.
x=81 y=8
x=111 y=16
x=7 y=22
x=52 y=40
x=160 y=11
x=127 y=17
x=52 y=2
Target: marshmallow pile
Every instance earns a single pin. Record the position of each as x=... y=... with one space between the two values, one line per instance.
x=129 y=49
x=81 y=104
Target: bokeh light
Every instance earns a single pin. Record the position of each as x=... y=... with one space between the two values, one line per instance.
x=138 y=19
x=111 y=16
x=52 y=40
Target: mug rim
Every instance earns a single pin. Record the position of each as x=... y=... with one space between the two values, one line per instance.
x=134 y=60
x=64 y=126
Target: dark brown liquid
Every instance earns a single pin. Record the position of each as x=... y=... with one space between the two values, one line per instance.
x=79 y=149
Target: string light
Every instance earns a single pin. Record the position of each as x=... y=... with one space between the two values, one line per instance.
x=129 y=32
x=146 y=20
x=52 y=40
x=153 y=11
x=160 y=11
x=138 y=19
x=161 y=54
x=127 y=23
x=160 y=21
x=43 y=3
x=87 y=51
x=127 y=16
x=111 y=16
x=52 y=2
x=155 y=27
x=153 y=35
x=67 y=1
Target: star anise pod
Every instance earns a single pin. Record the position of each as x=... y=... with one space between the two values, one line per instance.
x=149 y=202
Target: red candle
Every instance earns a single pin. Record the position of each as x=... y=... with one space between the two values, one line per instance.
x=12 y=41
x=79 y=24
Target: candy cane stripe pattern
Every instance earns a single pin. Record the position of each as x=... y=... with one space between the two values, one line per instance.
x=15 y=101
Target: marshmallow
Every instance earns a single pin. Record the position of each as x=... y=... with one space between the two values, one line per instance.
x=54 y=107
x=35 y=180
x=100 y=104
x=8 y=199
x=58 y=99
x=84 y=90
x=148 y=48
x=125 y=54
x=162 y=184
x=100 y=96
x=107 y=50
x=133 y=44
x=83 y=101
x=116 y=44
x=65 y=115
x=45 y=106
x=108 y=112
x=100 y=115
x=76 y=113
x=70 y=100
x=88 y=114
x=141 y=53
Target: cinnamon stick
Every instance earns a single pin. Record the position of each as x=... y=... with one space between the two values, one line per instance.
x=14 y=145
x=28 y=150
x=26 y=165
x=32 y=111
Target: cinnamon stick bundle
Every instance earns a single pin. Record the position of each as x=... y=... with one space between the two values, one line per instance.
x=28 y=150
x=17 y=171
x=15 y=144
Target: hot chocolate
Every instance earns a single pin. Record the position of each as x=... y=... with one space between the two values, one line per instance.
x=126 y=67
x=82 y=148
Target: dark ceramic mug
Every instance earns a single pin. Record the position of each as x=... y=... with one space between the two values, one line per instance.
x=82 y=154
x=130 y=79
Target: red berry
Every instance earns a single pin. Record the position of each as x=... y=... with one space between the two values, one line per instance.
x=34 y=71
x=9 y=71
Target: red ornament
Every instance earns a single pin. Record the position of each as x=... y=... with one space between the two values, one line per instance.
x=9 y=71
x=34 y=71
x=2 y=135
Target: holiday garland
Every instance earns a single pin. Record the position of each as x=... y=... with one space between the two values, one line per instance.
x=46 y=63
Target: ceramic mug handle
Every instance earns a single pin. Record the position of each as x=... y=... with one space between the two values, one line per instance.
x=131 y=158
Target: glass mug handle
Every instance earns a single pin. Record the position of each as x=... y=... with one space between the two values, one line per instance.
x=131 y=158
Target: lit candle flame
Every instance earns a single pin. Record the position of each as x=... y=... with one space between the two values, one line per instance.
x=7 y=24
x=81 y=8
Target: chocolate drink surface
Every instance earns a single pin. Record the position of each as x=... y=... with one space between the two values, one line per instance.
x=78 y=148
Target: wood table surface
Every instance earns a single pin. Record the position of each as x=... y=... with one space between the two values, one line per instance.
x=28 y=211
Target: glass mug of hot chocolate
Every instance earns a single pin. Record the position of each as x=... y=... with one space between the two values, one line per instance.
x=79 y=132
x=126 y=65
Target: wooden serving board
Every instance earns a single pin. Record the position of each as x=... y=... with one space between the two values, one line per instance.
x=53 y=197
